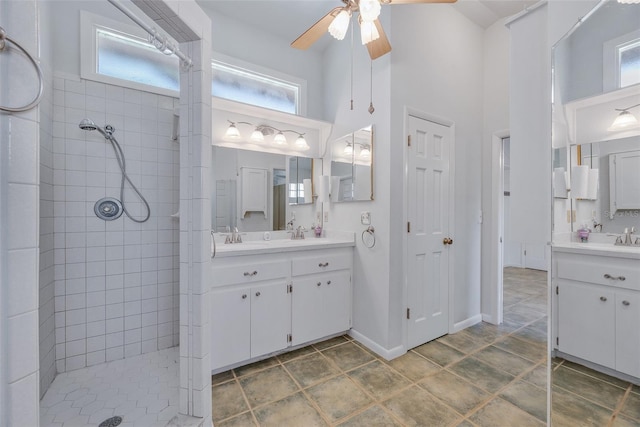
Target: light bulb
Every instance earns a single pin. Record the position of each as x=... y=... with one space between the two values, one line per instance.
x=301 y=143
x=232 y=132
x=348 y=149
x=340 y=24
x=624 y=120
x=368 y=32
x=628 y=1
x=257 y=136
x=279 y=139
x=369 y=10
x=365 y=152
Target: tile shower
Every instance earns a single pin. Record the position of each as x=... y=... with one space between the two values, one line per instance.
x=115 y=283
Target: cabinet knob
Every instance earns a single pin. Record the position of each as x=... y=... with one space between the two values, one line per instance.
x=258 y=293
x=244 y=296
x=603 y=299
x=323 y=264
x=328 y=282
x=626 y=303
x=319 y=283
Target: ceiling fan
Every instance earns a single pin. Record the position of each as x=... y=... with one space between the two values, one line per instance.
x=336 y=22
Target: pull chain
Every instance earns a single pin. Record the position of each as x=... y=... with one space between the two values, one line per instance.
x=371 y=108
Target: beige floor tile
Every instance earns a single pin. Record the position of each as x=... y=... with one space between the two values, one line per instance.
x=631 y=407
x=227 y=400
x=466 y=423
x=522 y=348
x=622 y=421
x=330 y=342
x=378 y=379
x=590 y=388
x=462 y=341
x=414 y=366
x=255 y=367
x=480 y=374
x=538 y=376
x=568 y=409
x=439 y=353
x=416 y=407
x=499 y=413
x=242 y=420
x=268 y=385
x=293 y=411
x=290 y=355
x=527 y=397
x=461 y=395
x=221 y=377
x=503 y=360
x=338 y=397
x=596 y=374
x=310 y=369
x=348 y=356
x=372 y=417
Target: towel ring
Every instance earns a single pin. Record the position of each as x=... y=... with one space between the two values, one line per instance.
x=3 y=39
x=368 y=238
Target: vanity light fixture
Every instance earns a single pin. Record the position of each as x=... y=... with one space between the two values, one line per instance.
x=301 y=143
x=340 y=25
x=257 y=135
x=348 y=150
x=280 y=139
x=232 y=131
x=365 y=152
x=261 y=131
x=624 y=120
x=629 y=1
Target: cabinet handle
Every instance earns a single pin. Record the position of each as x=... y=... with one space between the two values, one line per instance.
x=246 y=273
x=328 y=282
x=621 y=278
x=603 y=299
x=626 y=303
x=244 y=296
x=258 y=293
x=319 y=283
x=323 y=264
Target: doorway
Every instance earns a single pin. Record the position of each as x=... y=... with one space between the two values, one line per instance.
x=429 y=192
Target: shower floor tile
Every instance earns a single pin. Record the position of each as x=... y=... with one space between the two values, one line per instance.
x=143 y=390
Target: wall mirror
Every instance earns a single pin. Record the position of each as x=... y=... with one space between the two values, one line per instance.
x=595 y=71
x=352 y=166
x=280 y=189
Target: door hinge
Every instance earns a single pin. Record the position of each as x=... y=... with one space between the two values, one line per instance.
x=409 y=140
x=557 y=290
x=557 y=340
x=408 y=313
x=289 y=338
x=408 y=227
x=289 y=289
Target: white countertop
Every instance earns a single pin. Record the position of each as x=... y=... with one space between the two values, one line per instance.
x=282 y=243
x=600 y=249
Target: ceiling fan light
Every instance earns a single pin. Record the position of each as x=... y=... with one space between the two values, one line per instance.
x=340 y=24
x=624 y=120
x=232 y=132
x=280 y=139
x=257 y=136
x=368 y=32
x=301 y=143
x=369 y=10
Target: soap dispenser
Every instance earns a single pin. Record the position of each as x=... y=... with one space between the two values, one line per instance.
x=583 y=233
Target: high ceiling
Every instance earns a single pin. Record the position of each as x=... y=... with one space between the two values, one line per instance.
x=289 y=19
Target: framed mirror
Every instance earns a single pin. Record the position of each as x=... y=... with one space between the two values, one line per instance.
x=352 y=166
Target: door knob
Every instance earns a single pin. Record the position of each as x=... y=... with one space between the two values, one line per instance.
x=447 y=241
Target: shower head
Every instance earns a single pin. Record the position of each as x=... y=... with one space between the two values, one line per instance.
x=88 y=125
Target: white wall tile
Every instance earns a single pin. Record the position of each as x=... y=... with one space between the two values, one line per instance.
x=24 y=408
x=22 y=295
x=23 y=358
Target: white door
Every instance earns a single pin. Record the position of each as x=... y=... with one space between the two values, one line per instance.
x=428 y=197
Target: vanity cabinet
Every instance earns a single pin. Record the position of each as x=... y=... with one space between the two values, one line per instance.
x=598 y=310
x=263 y=304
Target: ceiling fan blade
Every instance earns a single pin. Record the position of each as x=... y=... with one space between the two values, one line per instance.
x=416 y=1
x=381 y=45
x=316 y=31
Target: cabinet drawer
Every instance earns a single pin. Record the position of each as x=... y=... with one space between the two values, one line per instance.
x=321 y=261
x=621 y=273
x=250 y=272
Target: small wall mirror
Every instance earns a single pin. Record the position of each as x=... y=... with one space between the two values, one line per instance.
x=302 y=173
x=352 y=166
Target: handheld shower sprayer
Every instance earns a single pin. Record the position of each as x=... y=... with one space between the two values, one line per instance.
x=108 y=131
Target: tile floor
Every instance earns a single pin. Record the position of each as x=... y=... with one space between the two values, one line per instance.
x=483 y=376
x=143 y=390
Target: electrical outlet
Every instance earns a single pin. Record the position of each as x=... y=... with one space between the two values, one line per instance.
x=326 y=217
x=365 y=218
x=318 y=217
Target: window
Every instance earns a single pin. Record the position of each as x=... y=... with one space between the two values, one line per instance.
x=296 y=192
x=621 y=61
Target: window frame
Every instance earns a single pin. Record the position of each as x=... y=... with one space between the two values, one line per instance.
x=89 y=23
x=611 y=60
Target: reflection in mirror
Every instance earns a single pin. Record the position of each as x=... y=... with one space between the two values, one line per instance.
x=595 y=353
x=282 y=191
x=352 y=166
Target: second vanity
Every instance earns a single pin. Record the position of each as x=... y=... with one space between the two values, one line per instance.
x=596 y=293
x=268 y=296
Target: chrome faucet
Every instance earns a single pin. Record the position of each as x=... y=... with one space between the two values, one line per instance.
x=298 y=234
x=628 y=238
x=235 y=236
x=290 y=224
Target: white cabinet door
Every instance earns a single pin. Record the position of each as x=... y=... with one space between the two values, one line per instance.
x=627 y=332
x=230 y=326
x=586 y=322
x=270 y=318
x=307 y=308
x=254 y=191
x=337 y=302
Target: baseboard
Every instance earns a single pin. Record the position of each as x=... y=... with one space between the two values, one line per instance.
x=457 y=327
x=387 y=354
x=488 y=318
